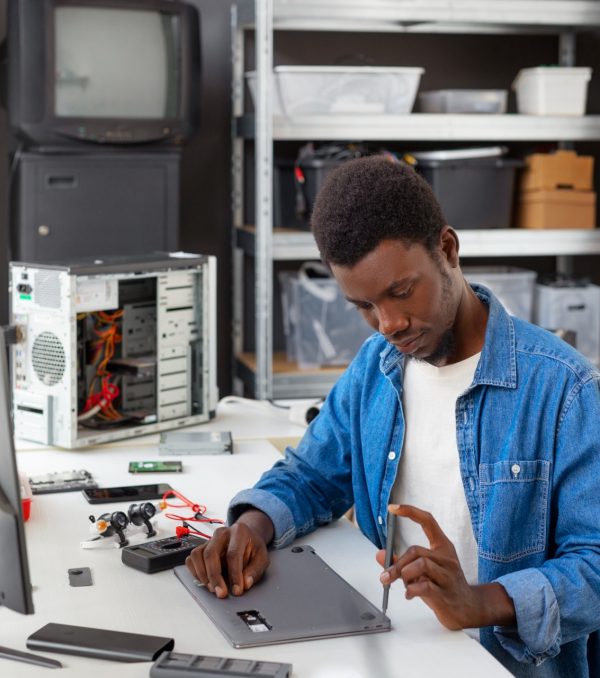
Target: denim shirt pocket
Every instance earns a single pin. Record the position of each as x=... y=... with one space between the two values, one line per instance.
x=514 y=507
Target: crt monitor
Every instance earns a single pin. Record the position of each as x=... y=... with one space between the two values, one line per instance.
x=15 y=586
x=103 y=71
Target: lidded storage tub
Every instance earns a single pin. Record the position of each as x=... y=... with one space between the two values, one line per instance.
x=321 y=328
x=474 y=186
x=492 y=101
x=514 y=287
x=552 y=90
x=352 y=90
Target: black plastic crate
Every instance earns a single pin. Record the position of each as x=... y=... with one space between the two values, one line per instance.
x=293 y=200
x=474 y=193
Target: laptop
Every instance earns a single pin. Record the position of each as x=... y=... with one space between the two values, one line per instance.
x=299 y=598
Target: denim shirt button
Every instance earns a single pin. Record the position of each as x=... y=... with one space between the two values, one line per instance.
x=516 y=469
x=392 y=455
x=380 y=520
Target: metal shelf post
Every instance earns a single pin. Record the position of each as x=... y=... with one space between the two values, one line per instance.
x=264 y=209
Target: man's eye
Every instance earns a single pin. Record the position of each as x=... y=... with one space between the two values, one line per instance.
x=404 y=294
x=365 y=306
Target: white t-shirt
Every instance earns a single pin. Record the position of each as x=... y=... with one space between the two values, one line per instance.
x=429 y=472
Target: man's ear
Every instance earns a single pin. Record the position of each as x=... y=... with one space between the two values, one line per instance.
x=449 y=245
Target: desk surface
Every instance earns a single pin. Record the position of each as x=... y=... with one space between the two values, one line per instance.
x=128 y=600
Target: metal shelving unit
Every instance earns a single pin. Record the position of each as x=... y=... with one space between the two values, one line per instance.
x=290 y=245
x=431 y=127
x=264 y=373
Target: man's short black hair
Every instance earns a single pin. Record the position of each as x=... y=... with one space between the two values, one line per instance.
x=368 y=200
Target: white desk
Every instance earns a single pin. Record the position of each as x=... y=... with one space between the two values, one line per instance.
x=128 y=600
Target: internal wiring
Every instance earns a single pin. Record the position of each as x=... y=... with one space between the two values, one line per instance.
x=99 y=403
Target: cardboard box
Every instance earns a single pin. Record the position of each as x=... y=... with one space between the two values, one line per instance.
x=562 y=169
x=557 y=209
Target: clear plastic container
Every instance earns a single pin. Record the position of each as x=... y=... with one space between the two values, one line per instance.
x=513 y=286
x=321 y=328
x=552 y=90
x=251 y=81
x=574 y=307
x=464 y=101
x=352 y=90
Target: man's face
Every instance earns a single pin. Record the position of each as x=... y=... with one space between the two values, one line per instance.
x=406 y=294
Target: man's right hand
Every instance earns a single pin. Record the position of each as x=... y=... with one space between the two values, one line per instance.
x=238 y=552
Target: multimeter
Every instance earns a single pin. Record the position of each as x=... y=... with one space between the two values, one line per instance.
x=160 y=554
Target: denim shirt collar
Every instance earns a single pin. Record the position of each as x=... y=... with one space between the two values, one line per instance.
x=497 y=366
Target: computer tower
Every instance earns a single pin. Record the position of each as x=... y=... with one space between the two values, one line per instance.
x=71 y=205
x=113 y=348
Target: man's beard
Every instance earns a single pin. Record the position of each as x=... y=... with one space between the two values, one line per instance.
x=445 y=348
x=447 y=342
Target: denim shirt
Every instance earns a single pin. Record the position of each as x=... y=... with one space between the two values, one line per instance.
x=528 y=434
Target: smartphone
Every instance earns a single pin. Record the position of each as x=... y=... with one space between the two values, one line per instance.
x=155 y=467
x=106 y=495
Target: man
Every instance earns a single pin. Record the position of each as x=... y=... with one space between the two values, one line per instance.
x=481 y=430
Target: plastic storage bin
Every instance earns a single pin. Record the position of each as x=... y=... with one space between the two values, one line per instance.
x=575 y=307
x=552 y=90
x=321 y=328
x=276 y=99
x=464 y=101
x=293 y=200
x=284 y=196
x=473 y=191
x=513 y=286
x=358 y=90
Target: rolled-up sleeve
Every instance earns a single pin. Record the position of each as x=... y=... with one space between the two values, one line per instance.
x=277 y=510
x=312 y=484
x=537 y=636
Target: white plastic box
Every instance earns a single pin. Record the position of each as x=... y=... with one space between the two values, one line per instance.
x=552 y=90
x=575 y=308
x=321 y=328
x=491 y=101
x=513 y=286
x=352 y=90
x=276 y=99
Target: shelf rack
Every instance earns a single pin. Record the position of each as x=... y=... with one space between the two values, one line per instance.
x=268 y=375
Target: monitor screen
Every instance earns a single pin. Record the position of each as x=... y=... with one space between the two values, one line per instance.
x=110 y=72
x=15 y=587
x=115 y=63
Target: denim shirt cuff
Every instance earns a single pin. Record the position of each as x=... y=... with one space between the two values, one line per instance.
x=278 y=512
x=537 y=636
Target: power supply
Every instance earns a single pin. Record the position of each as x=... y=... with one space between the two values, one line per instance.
x=113 y=348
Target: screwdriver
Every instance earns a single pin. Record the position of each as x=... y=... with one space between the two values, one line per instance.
x=389 y=546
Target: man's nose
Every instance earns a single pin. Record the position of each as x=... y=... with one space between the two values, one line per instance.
x=392 y=322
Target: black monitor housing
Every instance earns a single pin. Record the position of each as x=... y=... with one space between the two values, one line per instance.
x=104 y=72
x=15 y=586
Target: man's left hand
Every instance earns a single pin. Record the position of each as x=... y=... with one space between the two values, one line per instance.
x=435 y=575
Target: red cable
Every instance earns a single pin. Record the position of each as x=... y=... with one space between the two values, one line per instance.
x=198 y=509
